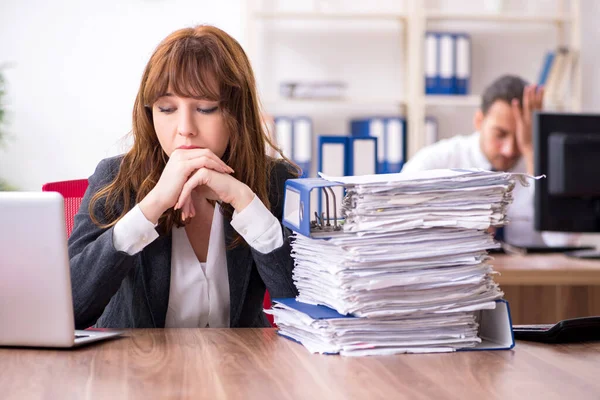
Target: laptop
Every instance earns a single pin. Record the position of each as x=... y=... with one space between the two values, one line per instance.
x=36 y=307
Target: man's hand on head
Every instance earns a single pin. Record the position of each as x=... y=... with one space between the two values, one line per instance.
x=533 y=96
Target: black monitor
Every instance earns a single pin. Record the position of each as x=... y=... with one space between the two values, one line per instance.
x=567 y=151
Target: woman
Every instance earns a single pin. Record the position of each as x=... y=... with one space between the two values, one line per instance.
x=185 y=229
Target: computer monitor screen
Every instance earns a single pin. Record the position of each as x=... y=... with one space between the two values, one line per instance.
x=567 y=151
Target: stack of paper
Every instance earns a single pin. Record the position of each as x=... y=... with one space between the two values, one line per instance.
x=322 y=330
x=473 y=199
x=393 y=278
x=411 y=264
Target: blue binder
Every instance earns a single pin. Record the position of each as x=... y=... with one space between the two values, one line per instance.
x=395 y=144
x=462 y=49
x=333 y=160
x=298 y=203
x=432 y=63
x=374 y=127
x=294 y=137
x=345 y=156
x=361 y=156
x=546 y=66
x=284 y=135
x=391 y=141
x=495 y=326
x=332 y=155
x=302 y=144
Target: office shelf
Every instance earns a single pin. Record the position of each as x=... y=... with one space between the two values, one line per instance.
x=328 y=16
x=453 y=100
x=416 y=18
x=508 y=17
x=335 y=101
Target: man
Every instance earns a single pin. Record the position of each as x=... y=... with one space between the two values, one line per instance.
x=502 y=142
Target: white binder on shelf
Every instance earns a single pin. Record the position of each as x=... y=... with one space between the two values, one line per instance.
x=294 y=138
x=432 y=64
x=361 y=156
x=447 y=63
x=374 y=127
x=463 y=63
x=283 y=134
x=391 y=140
x=302 y=145
x=395 y=146
x=270 y=131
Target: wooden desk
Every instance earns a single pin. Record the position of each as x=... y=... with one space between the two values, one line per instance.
x=258 y=364
x=548 y=288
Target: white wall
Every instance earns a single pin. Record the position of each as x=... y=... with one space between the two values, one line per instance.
x=591 y=79
x=590 y=57
x=76 y=68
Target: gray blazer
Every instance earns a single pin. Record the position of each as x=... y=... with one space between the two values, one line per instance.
x=113 y=289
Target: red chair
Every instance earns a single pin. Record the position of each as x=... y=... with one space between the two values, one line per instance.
x=73 y=192
x=267 y=306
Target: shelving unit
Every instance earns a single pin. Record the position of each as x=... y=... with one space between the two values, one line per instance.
x=498 y=17
x=414 y=20
x=343 y=101
x=328 y=16
x=454 y=101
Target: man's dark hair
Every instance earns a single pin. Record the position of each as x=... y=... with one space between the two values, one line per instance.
x=505 y=88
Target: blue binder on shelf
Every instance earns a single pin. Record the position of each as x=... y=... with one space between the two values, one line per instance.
x=495 y=326
x=302 y=145
x=395 y=144
x=346 y=156
x=332 y=157
x=333 y=160
x=284 y=135
x=432 y=63
x=294 y=137
x=462 y=47
x=361 y=156
x=546 y=66
x=391 y=141
x=374 y=127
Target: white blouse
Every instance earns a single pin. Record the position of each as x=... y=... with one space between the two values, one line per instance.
x=199 y=292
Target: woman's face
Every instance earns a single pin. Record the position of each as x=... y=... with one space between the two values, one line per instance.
x=185 y=122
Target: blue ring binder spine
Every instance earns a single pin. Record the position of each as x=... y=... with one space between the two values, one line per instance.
x=300 y=191
x=335 y=218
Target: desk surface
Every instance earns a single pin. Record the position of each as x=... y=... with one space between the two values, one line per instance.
x=545 y=269
x=257 y=363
